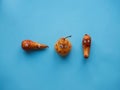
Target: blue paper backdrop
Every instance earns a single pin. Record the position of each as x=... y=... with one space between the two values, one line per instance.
x=45 y=21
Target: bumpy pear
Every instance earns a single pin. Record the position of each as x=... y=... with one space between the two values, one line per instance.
x=63 y=46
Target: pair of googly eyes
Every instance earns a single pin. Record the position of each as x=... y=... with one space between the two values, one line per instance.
x=61 y=46
x=27 y=45
x=86 y=41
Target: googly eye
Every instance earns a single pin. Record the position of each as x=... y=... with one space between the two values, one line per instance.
x=84 y=41
x=66 y=46
x=61 y=46
x=26 y=45
x=88 y=41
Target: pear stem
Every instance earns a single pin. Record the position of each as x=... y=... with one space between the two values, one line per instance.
x=68 y=36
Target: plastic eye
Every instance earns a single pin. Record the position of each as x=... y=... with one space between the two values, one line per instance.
x=26 y=45
x=84 y=41
x=61 y=46
x=66 y=46
x=88 y=41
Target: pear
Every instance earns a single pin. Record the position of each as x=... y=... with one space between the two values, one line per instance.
x=63 y=46
x=86 y=43
x=31 y=45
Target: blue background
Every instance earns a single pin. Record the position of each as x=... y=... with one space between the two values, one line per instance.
x=45 y=21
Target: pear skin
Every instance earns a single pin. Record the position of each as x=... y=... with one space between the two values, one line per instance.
x=86 y=43
x=31 y=45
